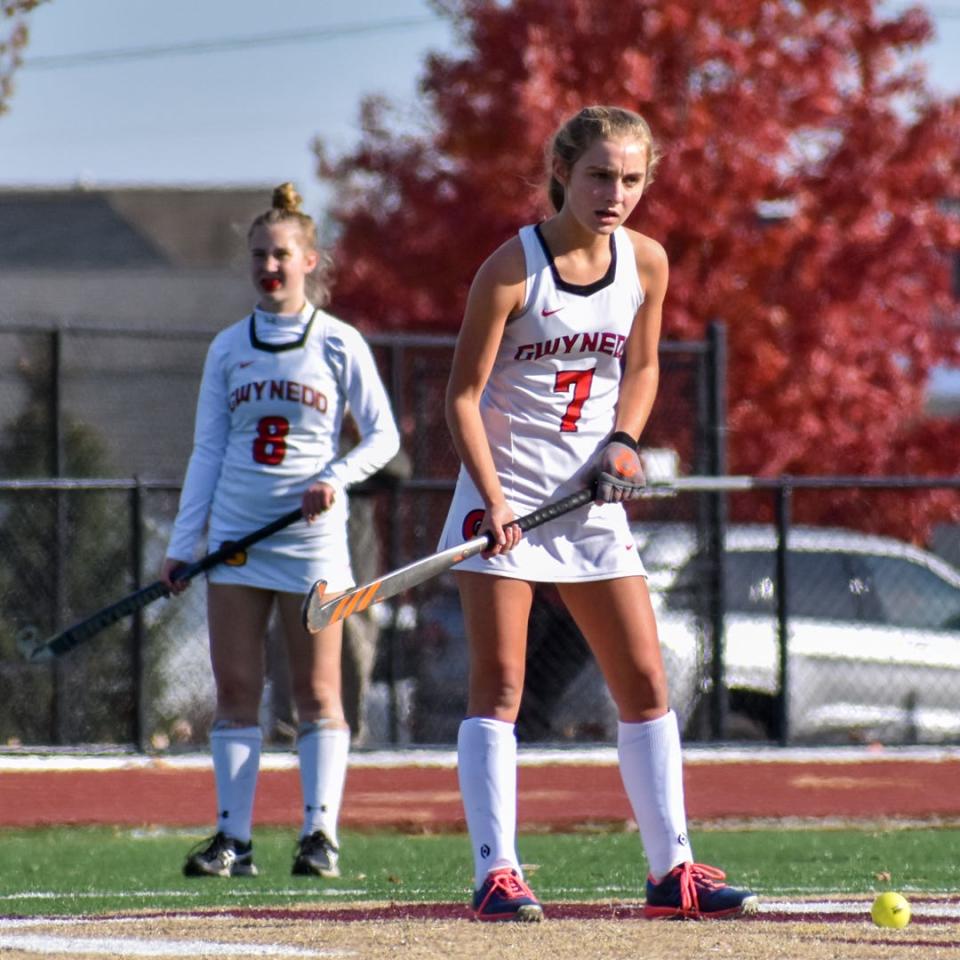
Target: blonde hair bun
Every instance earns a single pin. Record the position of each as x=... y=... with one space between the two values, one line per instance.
x=286 y=198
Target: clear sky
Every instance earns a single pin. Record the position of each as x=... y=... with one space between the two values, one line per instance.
x=238 y=112
x=270 y=77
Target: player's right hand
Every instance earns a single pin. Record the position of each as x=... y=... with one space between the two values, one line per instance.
x=169 y=565
x=318 y=499
x=498 y=521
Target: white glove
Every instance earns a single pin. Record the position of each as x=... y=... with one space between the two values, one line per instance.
x=619 y=471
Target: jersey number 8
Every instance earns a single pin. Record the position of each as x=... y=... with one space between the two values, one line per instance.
x=269 y=446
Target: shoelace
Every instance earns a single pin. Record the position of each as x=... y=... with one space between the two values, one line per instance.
x=692 y=875
x=211 y=845
x=509 y=883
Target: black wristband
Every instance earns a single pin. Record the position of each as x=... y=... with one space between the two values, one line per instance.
x=622 y=437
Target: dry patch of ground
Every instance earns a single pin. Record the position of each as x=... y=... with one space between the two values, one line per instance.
x=441 y=931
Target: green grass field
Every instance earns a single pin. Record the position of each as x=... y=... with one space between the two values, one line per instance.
x=94 y=870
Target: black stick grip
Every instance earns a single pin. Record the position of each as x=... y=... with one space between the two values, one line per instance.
x=553 y=510
x=80 y=632
x=227 y=550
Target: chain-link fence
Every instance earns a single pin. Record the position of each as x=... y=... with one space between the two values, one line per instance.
x=85 y=401
x=842 y=637
x=830 y=635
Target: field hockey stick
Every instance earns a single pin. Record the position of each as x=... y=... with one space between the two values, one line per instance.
x=80 y=632
x=318 y=614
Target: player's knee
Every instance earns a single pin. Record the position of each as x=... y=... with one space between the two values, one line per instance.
x=499 y=701
x=645 y=698
x=319 y=703
x=238 y=698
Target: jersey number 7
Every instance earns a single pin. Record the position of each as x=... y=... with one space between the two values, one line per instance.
x=580 y=381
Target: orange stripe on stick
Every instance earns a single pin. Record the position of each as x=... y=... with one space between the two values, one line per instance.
x=352 y=602
x=368 y=595
x=338 y=613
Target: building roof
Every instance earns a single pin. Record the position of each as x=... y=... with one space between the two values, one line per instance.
x=139 y=227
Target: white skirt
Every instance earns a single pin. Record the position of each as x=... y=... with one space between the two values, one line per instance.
x=293 y=559
x=592 y=542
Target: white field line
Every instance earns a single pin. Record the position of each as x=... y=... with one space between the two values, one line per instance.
x=447 y=758
x=332 y=894
x=854 y=909
x=45 y=945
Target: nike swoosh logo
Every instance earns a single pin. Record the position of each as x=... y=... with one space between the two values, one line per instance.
x=550 y=313
x=244 y=363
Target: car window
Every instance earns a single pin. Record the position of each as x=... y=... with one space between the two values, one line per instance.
x=822 y=585
x=911 y=595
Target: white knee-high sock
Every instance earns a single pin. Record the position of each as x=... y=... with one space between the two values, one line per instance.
x=323 y=751
x=487 y=770
x=236 y=762
x=651 y=767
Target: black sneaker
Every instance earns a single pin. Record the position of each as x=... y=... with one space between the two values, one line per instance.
x=220 y=856
x=317 y=855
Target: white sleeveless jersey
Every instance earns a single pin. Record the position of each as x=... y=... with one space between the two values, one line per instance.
x=548 y=407
x=268 y=425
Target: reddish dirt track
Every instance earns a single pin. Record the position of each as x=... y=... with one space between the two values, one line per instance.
x=559 y=796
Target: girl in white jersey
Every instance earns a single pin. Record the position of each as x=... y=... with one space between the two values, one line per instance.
x=553 y=379
x=275 y=388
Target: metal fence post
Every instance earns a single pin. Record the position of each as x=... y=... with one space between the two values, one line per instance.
x=137 y=634
x=783 y=505
x=716 y=511
x=397 y=354
x=58 y=707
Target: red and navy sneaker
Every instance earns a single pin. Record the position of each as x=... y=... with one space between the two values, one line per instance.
x=504 y=896
x=694 y=891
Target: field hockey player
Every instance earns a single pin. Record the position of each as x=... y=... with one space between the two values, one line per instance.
x=273 y=396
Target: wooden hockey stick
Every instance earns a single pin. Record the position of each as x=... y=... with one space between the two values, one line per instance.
x=65 y=641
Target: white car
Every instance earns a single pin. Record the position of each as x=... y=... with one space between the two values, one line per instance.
x=874 y=644
x=873 y=635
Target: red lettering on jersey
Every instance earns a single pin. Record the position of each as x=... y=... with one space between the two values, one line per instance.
x=289 y=390
x=238 y=396
x=600 y=342
x=607 y=342
x=314 y=398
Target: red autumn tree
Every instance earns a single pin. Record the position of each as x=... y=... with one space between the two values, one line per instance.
x=803 y=199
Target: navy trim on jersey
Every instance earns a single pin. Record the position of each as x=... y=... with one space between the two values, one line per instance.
x=579 y=289
x=258 y=344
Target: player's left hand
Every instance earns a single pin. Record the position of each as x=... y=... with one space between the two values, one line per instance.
x=619 y=474
x=318 y=499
